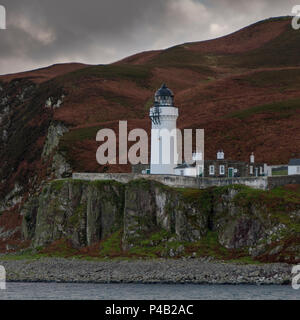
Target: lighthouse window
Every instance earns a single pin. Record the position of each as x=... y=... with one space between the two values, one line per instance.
x=211 y=170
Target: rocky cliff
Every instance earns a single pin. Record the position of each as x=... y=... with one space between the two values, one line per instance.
x=147 y=219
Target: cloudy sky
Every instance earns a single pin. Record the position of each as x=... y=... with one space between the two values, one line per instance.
x=44 y=32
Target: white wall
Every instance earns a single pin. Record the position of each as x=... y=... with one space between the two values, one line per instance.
x=160 y=133
x=293 y=170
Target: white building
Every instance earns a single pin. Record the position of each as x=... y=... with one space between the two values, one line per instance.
x=191 y=170
x=294 y=167
x=163 y=115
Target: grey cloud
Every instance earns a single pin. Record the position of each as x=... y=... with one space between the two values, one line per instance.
x=42 y=32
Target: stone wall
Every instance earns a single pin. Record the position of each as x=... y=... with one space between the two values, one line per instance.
x=277 y=181
x=262 y=183
x=170 y=180
x=254 y=182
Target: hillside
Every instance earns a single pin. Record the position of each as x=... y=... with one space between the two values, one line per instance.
x=243 y=89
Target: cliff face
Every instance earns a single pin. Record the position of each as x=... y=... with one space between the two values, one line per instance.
x=145 y=218
x=80 y=212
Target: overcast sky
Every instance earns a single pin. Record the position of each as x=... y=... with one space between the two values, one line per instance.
x=44 y=32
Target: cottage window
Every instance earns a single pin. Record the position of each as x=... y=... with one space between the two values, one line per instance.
x=182 y=172
x=251 y=169
x=222 y=169
x=211 y=170
x=260 y=170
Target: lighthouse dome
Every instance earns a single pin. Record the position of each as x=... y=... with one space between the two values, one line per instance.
x=164 y=96
x=164 y=91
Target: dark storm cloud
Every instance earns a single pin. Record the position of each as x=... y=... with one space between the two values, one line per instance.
x=41 y=32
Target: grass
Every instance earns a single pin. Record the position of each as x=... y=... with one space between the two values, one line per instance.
x=28 y=254
x=282 y=108
x=81 y=134
x=283 y=79
x=181 y=57
x=279 y=172
x=280 y=51
x=209 y=246
x=111 y=247
x=58 y=184
x=274 y=205
x=68 y=141
x=138 y=74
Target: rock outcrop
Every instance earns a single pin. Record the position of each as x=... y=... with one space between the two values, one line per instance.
x=165 y=221
x=83 y=213
x=150 y=206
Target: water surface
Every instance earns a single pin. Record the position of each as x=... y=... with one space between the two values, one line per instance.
x=89 y=291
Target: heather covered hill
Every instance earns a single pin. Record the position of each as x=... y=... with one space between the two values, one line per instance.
x=243 y=89
x=44 y=74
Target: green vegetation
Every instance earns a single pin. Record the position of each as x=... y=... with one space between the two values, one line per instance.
x=278 y=52
x=209 y=246
x=182 y=57
x=282 y=79
x=28 y=254
x=275 y=110
x=69 y=140
x=138 y=74
x=111 y=247
x=78 y=215
x=58 y=184
x=280 y=173
x=274 y=205
x=80 y=134
x=118 y=99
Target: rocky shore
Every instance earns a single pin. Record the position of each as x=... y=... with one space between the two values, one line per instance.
x=197 y=271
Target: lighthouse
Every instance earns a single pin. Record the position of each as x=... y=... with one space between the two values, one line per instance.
x=163 y=132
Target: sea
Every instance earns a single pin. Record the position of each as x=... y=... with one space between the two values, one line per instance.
x=91 y=291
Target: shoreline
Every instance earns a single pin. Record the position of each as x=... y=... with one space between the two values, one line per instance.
x=160 y=271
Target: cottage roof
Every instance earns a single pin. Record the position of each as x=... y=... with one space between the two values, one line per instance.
x=294 y=162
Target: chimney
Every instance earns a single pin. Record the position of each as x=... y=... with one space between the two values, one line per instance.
x=220 y=155
x=252 y=158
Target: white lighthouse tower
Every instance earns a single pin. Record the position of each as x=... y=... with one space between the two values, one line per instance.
x=163 y=133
